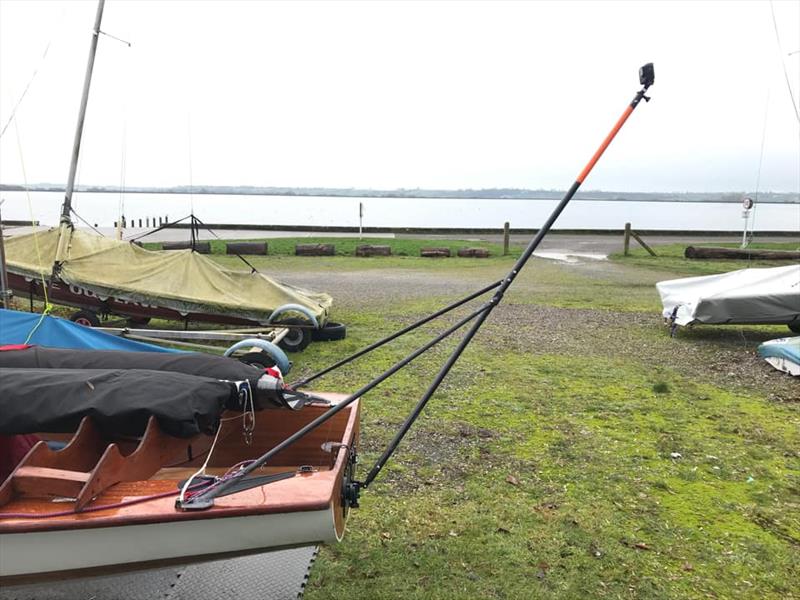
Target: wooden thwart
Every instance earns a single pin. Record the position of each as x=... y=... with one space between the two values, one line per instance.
x=88 y=465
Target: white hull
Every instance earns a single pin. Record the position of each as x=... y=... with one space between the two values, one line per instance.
x=29 y=553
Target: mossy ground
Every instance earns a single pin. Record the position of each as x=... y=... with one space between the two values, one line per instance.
x=569 y=469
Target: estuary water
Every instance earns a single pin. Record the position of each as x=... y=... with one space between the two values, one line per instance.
x=103 y=210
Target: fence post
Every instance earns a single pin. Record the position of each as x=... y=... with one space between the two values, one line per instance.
x=506 y=232
x=627 y=238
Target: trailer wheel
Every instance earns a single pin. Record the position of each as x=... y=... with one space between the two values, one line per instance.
x=87 y=318
x=331 y=332
x=138 y=321
x=794 y=327
x=296 y=339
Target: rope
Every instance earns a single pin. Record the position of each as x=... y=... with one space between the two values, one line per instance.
x=783 y=63
x=758 y=177
x=47 y=306
x=89 y=225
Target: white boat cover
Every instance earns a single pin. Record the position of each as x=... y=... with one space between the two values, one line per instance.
x=747 y=296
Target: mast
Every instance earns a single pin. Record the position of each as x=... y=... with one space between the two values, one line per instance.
x=65 y=224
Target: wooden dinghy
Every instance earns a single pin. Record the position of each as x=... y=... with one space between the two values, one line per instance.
x=106 y=505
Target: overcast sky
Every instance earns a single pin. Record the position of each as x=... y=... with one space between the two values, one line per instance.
x=406 y=94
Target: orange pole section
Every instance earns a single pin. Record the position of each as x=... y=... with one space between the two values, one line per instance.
x=587 y=169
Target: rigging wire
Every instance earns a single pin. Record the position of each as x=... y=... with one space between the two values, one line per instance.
x=47 y=306
x=53 y=34
x=758 y=177
x=783 y=63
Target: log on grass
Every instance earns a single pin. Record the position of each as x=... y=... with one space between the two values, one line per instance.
x=259 y=248
x=473 y=252
x=434 y=252
x=314 y=250
x=201 y=247
x=740 y=253
x=370 y=250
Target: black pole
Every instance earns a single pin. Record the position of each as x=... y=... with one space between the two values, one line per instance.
x=206 y=500
x=306 y=380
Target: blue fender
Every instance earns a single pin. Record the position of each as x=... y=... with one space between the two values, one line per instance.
x=275 y=353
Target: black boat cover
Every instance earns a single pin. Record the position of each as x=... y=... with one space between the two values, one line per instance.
x=120 y=401
x=190 y=363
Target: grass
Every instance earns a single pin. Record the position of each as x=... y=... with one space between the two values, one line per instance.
x=541 y=474
x=670 y=258
x=580 y=456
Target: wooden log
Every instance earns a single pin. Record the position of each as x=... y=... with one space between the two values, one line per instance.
x=201 y=247
x=434 y=252
x=314 y=250
x=473 y=252
x=259 y=248
x=642 y=244
x=740 y=253
x=369 y=250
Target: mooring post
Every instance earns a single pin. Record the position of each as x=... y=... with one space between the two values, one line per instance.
x=627 y=238
x=506 y=232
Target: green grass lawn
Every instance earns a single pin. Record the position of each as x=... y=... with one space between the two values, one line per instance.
x=540 y=473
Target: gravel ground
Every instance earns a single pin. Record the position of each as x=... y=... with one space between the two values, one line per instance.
x=725 y=356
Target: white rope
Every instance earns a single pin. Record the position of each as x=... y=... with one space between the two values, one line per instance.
x=202 y=469
x=783 y=63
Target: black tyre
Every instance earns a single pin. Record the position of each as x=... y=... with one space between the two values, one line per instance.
x=331 y=332
x=259 y=359
x=296 y=339
x=794 y=327
x=87 y=318
x=138 y=321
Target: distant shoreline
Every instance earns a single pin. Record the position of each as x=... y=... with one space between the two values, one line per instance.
x=482 y=194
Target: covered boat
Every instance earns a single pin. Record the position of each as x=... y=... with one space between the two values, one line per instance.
x=143 y=439
x=104 y=275
x=746 y=296
x=783 y=354
x=18 y=327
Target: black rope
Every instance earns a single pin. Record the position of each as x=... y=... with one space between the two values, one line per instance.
x=74 y=212
x=164 y=226
x=207 y=228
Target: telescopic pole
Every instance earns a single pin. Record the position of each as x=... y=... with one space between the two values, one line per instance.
x=205 y=500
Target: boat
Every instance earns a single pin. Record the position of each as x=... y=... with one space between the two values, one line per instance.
x=130 y=441
x=147 y=458
x=783 y=354
x=99 y=275
x=768 y=296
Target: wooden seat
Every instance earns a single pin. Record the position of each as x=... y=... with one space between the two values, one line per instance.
x=88 y=465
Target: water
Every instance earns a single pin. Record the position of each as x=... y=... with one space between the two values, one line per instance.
x=103 y=209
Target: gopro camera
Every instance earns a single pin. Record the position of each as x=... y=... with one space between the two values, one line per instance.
x=647 y=75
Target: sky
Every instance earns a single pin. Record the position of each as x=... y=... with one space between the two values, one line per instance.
x=386 y=95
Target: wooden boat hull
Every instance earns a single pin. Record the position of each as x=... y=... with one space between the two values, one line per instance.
x=305 y=508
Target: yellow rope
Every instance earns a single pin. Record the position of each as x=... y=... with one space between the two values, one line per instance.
x=47 y=306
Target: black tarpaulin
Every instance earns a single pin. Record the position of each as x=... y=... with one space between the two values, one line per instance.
x=190 y=363
x=120 y=402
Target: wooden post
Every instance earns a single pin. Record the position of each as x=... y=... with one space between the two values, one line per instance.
x=627 y=242
x=4 y=289
x=641 y=242
x=506 y=236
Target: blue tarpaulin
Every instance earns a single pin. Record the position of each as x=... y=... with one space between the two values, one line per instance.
x=55 y=332
x=783 y=354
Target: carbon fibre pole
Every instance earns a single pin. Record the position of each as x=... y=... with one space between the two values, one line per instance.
x=205 y=500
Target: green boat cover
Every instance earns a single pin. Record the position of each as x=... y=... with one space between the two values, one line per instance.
x=181 y=280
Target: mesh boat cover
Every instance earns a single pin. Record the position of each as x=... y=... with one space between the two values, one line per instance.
x=181 y=280
x=120 y=402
